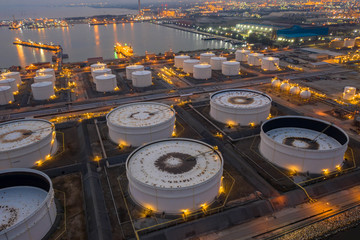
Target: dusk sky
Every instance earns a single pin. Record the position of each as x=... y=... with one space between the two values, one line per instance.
x=78 y=1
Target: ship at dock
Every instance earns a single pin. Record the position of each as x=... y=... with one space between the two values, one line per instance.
x=94 y=21
x=123 y=51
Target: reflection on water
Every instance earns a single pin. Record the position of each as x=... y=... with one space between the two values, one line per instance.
x=83 y=41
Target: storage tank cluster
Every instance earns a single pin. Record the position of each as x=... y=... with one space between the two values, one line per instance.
x=255 y=59
x=99 y=72
x=11 y=82
x=189 y=64
x=28 y=209
x=270 y=64
x=242 y=55
x=138 y=123
x=206 y=57
x=303 y=144
x=174 y=175
x=179 y=60
x=202 y=71
x=105 y=83
x=349 y=93
x=230 y=68
x=15 y=75
x=45 y=78
x=285 y=86
x=347 y=43
x=242 y=107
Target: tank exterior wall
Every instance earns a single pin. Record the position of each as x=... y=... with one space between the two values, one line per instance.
x=202 y=73
x=130 y=70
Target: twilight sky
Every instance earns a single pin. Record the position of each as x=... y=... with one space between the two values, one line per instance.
x=57 y=2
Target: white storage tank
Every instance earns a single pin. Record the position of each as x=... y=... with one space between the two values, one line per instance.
x=179 y=60
x=305 y=94
x=6 y=95
x=138 y=123
x=188 y=65
x=42 y=90
x=270 y=64
x=285 y=86
x=174 y=175
x=240 y=107
x=230 y=68
x=202 y=71
x=132 y=68
x=11 y=82
x=349 y=42
x=28 y=209
x=15 y=75
x=295 y=90
x=242 y=55
x=255 y=59
x=349 y=93
x=337 y=43
x=26 y=142
x=216 y=62
x=205 y=57
x=45 y=78
x=97 y=66
x=141 y=78
x=47 y=71
x=99 y=72
x=275 y=83
x=303 y=144
x=105 y=83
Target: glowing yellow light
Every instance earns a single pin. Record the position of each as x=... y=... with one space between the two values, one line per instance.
x=48 y=157
x=116 y=89
x=10 y=102
x=231 y=124
x=216 y=148
x=338 y=167
x=16 y=93
x=221 y=190
x=52 y=97
x=38 y=163
x=97 y=158
x=204 y=206
x=173 y=133
x=325 y=171
x=252 y=124
x=219 y=135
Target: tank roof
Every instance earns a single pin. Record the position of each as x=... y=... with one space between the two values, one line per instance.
x=241 y=98
x=134 y=66
x=4 y=88
x=231 y=63
x=101 y=70
x=182 y=56
x=21 y=133
x=10 y=73
x=174 y=163
x=45 y=76
x=105 y=77
x=45 y=70
x=207 y=54
x=141 y=72
x=41 y=84
x=202 y=66
x=7 y=80
x=191 y=61
x=218 y=58
x=140 y=114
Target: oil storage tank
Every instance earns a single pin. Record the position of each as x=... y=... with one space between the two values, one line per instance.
x=255 y=59
x=15 y=75
x=47 y=71
x=174 y=175
x=202 y=71
x=105 y=83
x=42 y=90
x=270 y=64
x=240 y=107
x=189 y=65
x=99 y=72
x=141 y=78
x=138 y=123
x=179 y=60
x=26 y=142
x=97 y=66
x=45 y=78
x=349 y=93
x=242 y=55
x=230 y=68
x=132 y=68
x=28 y=209
x=6 y=95
x=11 y=82
x=303 y=144
x=349 y=42
x=216 y=62
x=205 y=57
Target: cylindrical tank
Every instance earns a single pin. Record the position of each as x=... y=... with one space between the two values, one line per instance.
x=45 y=78
x=97 y=66
x=28 y=209
x=216 y=62
x=240 y=106
x=6 y=95
x=205 y=57
x=11 y=82
x=202 y=71
x=188 y=65
x=105 y=83
x=337 y=43
x=285 y=86
x=138 y=123
x=230 y=68
x=47 y=71
x=174 y=175
x=141 y=78
x=303 y=144
x=99 y=72
x=242 y=55
x=255 y=59
x=295 y=90
x=270 y=64
x=132 y=68
x=349 y=42
x=349 y=93
x=42 y=90
x=15 y=75
x=305 y=94
x=275 y=83
x=179 y=60
x=26 y=142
